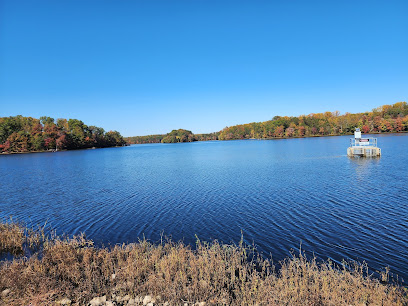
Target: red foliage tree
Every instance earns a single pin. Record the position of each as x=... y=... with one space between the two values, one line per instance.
x=365 y=129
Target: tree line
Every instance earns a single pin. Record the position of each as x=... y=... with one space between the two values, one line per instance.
x=386 y=118
x=27 y=134
x=174 y=136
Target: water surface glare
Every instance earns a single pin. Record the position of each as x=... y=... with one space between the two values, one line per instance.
x=279 y=193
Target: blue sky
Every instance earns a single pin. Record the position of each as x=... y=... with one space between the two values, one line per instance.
x=147 y=67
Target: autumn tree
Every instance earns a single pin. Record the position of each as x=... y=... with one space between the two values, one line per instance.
x=24 y=134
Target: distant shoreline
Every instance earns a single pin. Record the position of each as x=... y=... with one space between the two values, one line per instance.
x=279 y=138
x=381 y=120
x=271 y=138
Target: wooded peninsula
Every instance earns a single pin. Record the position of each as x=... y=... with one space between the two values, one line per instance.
x=20 y=134
x=384 y=119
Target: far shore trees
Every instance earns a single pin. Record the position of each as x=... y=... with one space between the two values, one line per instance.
x=383 y=119
x=179 y=135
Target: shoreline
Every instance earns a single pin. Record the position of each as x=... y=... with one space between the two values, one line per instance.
x=276 y=138
x=63 y=270
x=53 y=151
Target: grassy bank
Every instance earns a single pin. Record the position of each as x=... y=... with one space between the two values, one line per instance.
x=213 y=273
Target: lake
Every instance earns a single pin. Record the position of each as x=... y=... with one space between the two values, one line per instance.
x=280 y=193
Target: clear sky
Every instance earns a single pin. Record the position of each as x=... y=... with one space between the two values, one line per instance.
x=147 y=67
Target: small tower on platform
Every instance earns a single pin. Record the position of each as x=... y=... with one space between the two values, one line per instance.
x=366 y=147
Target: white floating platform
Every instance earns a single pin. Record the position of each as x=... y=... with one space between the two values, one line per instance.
x=365 y=151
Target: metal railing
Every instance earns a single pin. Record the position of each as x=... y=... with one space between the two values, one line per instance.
x=363 y=142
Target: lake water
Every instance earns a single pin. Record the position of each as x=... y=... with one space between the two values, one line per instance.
x=279 y=193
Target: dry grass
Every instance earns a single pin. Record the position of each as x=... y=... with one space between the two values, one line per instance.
x=11 y=238
x=212 y=272
x=16 y=239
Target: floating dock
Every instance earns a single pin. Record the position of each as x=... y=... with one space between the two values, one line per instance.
x=365 y=147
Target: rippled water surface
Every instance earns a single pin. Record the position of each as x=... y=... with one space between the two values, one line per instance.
x=280 y=193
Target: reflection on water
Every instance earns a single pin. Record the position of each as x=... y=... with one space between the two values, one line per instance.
x=279 y=193
x=363 y=166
